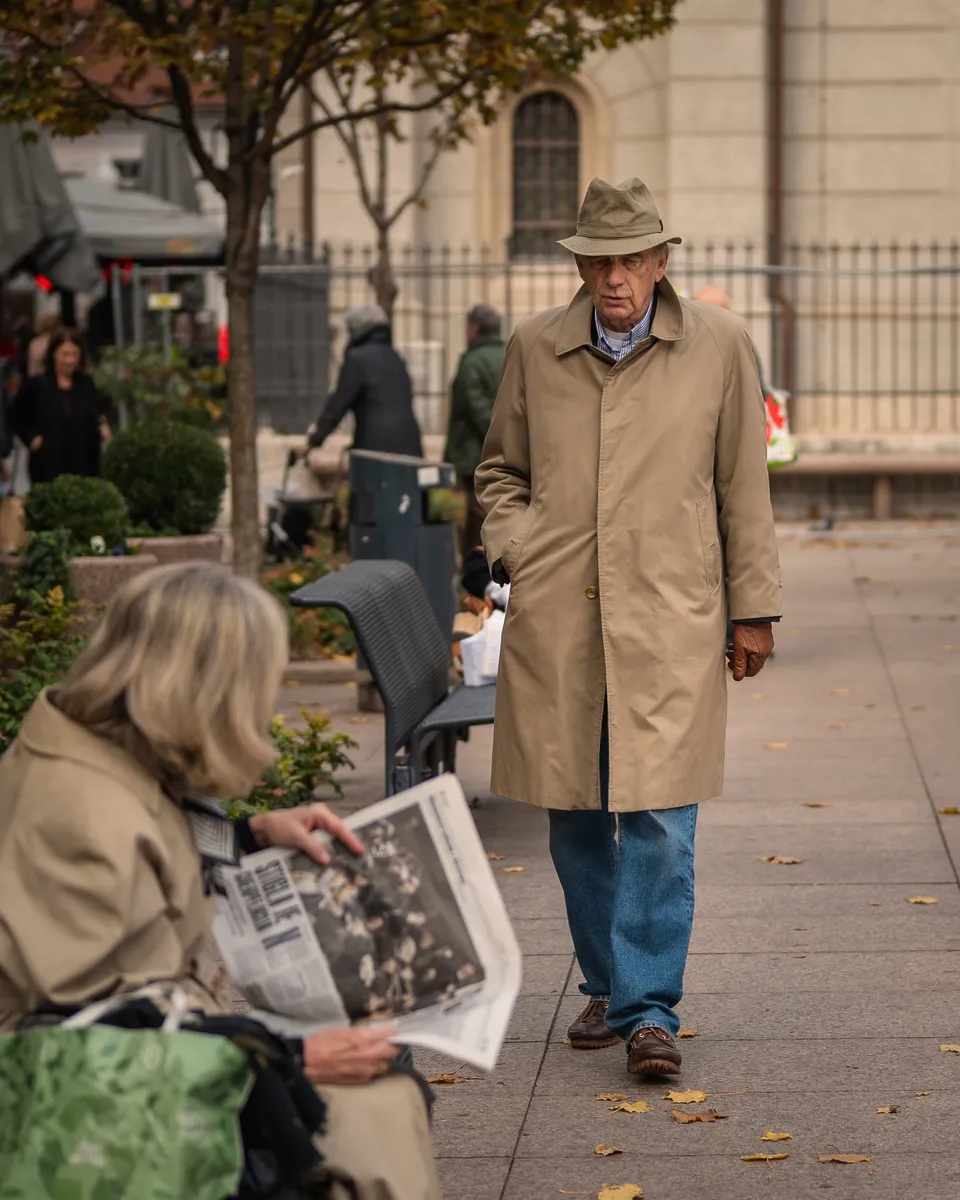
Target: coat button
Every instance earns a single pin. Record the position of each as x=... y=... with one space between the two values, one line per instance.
x=592 y=593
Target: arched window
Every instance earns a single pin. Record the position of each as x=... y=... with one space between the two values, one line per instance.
x=546 y=173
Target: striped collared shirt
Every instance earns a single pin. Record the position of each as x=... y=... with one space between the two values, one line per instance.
x=639 y=333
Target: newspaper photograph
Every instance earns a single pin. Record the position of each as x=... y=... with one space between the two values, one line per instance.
x=414 y=932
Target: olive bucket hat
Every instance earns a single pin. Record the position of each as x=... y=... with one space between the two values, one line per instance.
x=616 y=220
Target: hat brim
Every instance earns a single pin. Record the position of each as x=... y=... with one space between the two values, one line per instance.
x=589 y=247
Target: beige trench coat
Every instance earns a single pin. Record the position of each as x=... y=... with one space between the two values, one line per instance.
x=100 y=882
x=629 y=503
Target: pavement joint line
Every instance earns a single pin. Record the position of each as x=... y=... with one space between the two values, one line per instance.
x=879 y=646
x=533 y=1089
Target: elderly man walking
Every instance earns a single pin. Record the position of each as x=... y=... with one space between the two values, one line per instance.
x=625 y=471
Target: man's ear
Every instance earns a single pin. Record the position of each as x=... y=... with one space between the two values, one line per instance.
x=579 y=262
x=662 y=262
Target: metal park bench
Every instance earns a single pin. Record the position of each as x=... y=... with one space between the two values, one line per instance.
x=408 y=657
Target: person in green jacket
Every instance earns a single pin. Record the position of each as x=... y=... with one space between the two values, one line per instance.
x=471 y=406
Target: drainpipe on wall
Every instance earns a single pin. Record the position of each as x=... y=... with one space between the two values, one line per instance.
x=308 y=230
x=781 y=309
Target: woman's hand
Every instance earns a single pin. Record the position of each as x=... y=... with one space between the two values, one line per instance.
x=348 y=1056
x=36 y=445
x=293 y=827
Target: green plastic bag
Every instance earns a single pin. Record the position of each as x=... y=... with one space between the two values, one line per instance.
x=91 y=1112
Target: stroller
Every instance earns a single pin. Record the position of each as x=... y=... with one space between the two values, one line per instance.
x=302 y=505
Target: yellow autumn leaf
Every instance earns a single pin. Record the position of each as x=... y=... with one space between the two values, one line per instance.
x=922 y=900
x=890 y=1108
x=703 y=1118
x=770 y=1136
x=923 y=1093
x=637 y=1106
x=606 y=1151
x=686 y=1097
x=620 y=1191
x=494 y=857
x=296 y=578
x=818 y=804
x=756 y=695
x=949 y=1048
x=763 y=1157
x=782 y=860
x=611 y=1096
x=952 y=811
x=843 y=1158
x=687 y=1033
x=447 y=1079
x=511 y=870
x=776 y=745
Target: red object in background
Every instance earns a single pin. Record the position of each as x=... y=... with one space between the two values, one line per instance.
x=223 y=344
x=43 y=283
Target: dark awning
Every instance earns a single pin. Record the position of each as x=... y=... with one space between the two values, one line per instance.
x=166 y=168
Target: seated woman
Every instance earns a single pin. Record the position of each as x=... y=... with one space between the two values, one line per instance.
x=101 y=884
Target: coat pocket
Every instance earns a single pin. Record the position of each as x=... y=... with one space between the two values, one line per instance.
x=513 y=553
x=710 y=542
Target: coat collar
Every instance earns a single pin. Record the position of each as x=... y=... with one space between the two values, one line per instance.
x=49 y=733
x=576 y=325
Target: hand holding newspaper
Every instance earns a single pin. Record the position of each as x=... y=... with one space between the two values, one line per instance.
x=414 y=932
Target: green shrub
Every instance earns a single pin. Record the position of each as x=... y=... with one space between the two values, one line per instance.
x=44 y=566
x=36 y=649
x=87 y=507
x=172 y=476
x=144 y=384
x=314 y=632
x=306 y=758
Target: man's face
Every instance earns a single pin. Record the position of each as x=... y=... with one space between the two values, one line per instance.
x=621 y=287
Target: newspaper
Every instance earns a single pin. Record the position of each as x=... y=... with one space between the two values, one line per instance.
x=414 y=932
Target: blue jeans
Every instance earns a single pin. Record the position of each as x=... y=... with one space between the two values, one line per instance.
x=629 y=904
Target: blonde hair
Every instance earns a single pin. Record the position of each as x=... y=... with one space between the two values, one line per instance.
x=183 y=673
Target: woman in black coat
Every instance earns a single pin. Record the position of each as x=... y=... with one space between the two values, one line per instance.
x=57 y=415
x=375 y=385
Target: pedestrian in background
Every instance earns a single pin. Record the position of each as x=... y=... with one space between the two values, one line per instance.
x=375 y=386
x=471 y=407
x=625 y=471
x=38 y=348
x=59 y=415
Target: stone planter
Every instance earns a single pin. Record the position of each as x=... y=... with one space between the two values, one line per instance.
x=95 y=580
x=201 y=547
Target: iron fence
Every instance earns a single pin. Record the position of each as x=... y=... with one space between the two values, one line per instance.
x=866 y=338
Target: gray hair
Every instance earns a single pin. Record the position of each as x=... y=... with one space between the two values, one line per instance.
x=486 y=318
x=364 y=316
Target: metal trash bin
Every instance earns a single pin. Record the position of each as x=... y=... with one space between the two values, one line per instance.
x=390 y=518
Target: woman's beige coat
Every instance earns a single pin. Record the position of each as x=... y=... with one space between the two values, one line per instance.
x=100 y=882
x=628 y=502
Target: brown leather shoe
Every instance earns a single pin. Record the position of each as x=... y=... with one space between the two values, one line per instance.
x=653 y=1052
x=590 y=1031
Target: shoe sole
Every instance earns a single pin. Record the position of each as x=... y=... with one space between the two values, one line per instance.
x=654 y=1066
x=582 y=1044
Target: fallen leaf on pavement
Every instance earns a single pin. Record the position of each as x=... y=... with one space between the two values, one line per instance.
x=839 y=725
x=949 y=1048
x=449 y=1078
x=923 y=1093
x=620 y=1191
x=818 y=804
x=889 y=1108
x=686 y=1033
x=843 y=1158
x=776 y=745
x=704 y=1118
x=606 y=1151
x=876 y=904
x=292 y=683
x=763 y=1157
x=922 y=900
x=638 y=1106
x=770 y=1136
x=686 y=1097
x=950 y=812
x=357 y=720
x=511 y=870
x=612 y=1096
x=917 y=707
x=781 y=860
x=756 y=695
x=839 y=691
x=494 y=857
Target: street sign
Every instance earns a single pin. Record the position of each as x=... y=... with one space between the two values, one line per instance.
x=163 y=301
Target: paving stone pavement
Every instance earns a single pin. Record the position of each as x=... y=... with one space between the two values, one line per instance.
x=818 y=993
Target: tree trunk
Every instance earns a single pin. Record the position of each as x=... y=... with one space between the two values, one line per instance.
x=381 y=276
x=243 y=221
